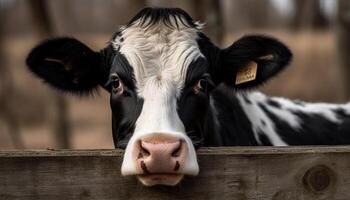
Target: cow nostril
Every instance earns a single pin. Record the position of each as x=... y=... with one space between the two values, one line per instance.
x=177 y=151
x=143 y=151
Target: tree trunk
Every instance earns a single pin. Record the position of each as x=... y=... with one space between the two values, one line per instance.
x=247 y=14
x=209 y=12
x=343 y=41
x=59 y=117
x=6 y=99
x=308 y=15
x=7 y=91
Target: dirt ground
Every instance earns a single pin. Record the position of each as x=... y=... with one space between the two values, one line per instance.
x=312 y=76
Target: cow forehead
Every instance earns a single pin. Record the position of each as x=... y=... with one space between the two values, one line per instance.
x=158 y=53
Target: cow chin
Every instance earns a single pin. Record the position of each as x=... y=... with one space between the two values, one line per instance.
x=160 y=179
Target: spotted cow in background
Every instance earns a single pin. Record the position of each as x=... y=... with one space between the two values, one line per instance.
x=172 y=90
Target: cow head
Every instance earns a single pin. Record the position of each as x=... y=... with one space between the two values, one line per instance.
x=159 y=70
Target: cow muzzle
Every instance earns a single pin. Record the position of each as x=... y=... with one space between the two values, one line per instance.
x=161 y=159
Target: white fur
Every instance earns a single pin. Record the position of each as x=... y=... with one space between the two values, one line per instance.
x=282 y=113
x=159 y=56
x=256 y=115
x=324 y=109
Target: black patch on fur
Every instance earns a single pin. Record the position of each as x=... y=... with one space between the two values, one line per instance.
x=341 y=113
x=121 y=67
x=196 y=70
x=264 y=139
x=273 y=103
x=212 y=54
x=67 y=64
x=282 y=128
x=245 y=98
x=126 y=107
x=193 y=106
x=314 y=129
x=152 y=16
x=107 y=55
x=236 y=128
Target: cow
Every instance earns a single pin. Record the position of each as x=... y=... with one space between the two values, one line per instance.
x=173 y=91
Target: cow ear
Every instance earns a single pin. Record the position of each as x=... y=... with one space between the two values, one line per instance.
x=67 y=64
x=252 y=60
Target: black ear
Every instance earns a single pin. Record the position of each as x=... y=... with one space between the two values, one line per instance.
x=252 y=60
x=67 y=64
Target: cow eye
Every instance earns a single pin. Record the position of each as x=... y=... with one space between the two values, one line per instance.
x=205 y=84
x=117 y=86
x=201 y=85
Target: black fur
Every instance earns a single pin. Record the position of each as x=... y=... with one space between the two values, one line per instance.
x=193 y=106
x=212 y=53
x=125 y=107
x=68 y=65
x=263 y=139
x=315 y=129
x=251 y=48
x=235 y=127
x=273 y=103
x=151 y=16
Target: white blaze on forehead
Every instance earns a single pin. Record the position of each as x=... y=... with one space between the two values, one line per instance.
x=159 y=51
x=160 y=56
x=159 y=114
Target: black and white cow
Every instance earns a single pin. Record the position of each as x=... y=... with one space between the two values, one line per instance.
x=172 y=91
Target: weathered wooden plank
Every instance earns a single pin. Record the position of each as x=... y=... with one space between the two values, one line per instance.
x=278 y=173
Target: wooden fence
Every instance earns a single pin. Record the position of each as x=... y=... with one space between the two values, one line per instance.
x=277 y=173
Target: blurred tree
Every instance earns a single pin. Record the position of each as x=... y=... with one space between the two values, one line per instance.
x=209 y=12
x=92 y=16
x=245 y=14
x=59 y=119
x=343 y=40
x=308 y=14
x=7 y=111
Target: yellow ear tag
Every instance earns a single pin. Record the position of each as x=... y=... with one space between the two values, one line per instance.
x=247 y=73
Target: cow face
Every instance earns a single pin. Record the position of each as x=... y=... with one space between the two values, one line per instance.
x=160 y=71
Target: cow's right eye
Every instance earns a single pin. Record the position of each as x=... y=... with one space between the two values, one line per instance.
x=117 y=86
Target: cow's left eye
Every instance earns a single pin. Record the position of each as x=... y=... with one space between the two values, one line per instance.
x=117 y=86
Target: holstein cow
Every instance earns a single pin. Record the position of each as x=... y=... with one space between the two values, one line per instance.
x=172 y=90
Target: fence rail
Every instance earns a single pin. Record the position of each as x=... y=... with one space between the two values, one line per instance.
x=277 y=173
